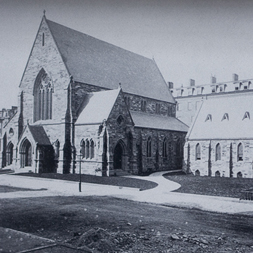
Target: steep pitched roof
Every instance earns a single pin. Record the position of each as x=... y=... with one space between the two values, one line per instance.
x=97 y=107
x=39 y=135
x=223 y=118
x=92 y=61
x=158 y=122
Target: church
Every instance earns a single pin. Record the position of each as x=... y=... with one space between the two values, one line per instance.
x=91 y=107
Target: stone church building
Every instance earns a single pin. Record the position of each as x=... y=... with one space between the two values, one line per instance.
x=89 y=105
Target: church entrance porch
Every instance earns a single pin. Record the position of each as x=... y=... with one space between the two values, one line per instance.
x=45 y=162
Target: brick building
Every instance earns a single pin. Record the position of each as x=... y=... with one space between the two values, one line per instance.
x=84 y=102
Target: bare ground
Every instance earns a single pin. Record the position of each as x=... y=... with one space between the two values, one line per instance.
x=103 y=224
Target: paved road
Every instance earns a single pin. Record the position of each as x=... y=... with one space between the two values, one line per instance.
x=162 y=194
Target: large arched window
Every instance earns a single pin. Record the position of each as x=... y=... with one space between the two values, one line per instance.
x=240 y=152
x=42 y=93
x=198 y=154
x=149 y=147
x=218 y=152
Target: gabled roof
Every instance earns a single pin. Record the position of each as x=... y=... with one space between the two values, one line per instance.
x=97 y=107
x=234 y=126
x=39 y=135
x=92 y=61
x=146 y=120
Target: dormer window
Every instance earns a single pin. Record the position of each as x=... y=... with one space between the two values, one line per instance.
x=225 y=117
x=246 y=116
x=209 y=117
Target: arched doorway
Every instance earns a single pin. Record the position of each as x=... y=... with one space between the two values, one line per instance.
x=26 y=154
x=9 y=153
x=120 y=157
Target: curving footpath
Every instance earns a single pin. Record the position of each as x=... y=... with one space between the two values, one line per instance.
x=162 y=194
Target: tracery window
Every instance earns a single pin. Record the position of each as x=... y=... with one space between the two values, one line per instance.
x=43 y=90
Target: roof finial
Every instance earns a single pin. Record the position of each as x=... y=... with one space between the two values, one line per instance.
x=44 y=13
x=120 y=86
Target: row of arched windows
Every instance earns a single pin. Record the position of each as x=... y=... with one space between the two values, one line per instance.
x=164 y=147
x=87 y=149
x=226 y=116
x=218 y=174
x=218 y=152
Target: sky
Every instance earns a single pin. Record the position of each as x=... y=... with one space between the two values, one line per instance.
x=188 y=39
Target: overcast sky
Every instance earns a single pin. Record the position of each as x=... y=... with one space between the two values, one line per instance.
x=187 y=38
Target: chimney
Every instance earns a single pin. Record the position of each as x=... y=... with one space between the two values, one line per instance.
x=192 y=82
x=235 y=77
x=213 y=79
x=171 y=85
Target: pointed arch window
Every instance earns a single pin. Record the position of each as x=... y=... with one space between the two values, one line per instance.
x=57 y=149
x=198 y=152
x=246 y=116
x=42 y=93
x=91 y=149
x=209 y=117
x=164 y=147
x=87 y=149
x=217 y=152
x=149 y=147
x=82 y=150
x=240 y=152
x=225 y=117
x=43 y=39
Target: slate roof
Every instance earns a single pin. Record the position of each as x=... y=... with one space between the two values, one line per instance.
x=39 y=135
x=158 y=122
x=97 y=107
x=235 y=127
x=92 y=61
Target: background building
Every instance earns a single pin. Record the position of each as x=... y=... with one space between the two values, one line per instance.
x=189 y=98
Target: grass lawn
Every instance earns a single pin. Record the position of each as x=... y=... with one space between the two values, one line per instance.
x=6 y=188
x=214 y=186
x=117 y=181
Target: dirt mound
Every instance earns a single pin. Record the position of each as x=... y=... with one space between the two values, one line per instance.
x=100 y=240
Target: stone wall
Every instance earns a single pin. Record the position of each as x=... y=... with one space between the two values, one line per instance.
x=48 y=58
x=166 y=109
x=158 y=162
x=228 y=165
